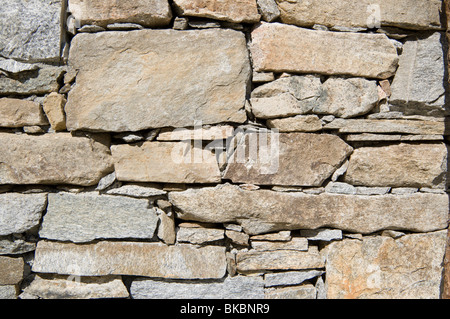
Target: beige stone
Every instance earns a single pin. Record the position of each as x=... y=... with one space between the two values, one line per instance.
x=296 y=243
x=402 y=165
x=285 y=48
x=166 y=228
x=168 y=78
x=300 y=123
x=11 y=270
x=199 y=235
x=381 y=267
x=149 y=13
x=284 y=235
x=54 y=109
x=238 y=238
x=244 y=11
x=211 y=133
x=130 y=258
x=300 y=292
x=18 y=113
x=165 y=162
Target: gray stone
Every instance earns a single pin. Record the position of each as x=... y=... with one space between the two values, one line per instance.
x=124 y=26
x=106 y=182
x=361 y=190
x=137 y=190
x=88 y=216
x=8 y=292
x=199 y=235
x=296 y=243
x=20 y=212
x=340 y=171
x=268 y=9
x=321 y=289
x=321 y=234
x=10 y=245
x=299 y=123
x=340 y=188
x=404 y=190
x=237 y=237
x=283 y=236
x=290 y=278
x=301 y=292
x=166 y=228
x=239 y=287
x=12 y=270
x=13 y=66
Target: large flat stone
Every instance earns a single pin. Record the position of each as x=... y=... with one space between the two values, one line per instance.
x=53 y=159
x=31 y=30
x=165 y=162
x=286 y=48
x=380 y=267
x=20 y=212
x=297 y=159
x=263 y=211
x=149 y=13
x=130 y=258
x=168 y=78
x=88 y=216
x=18 y=113
x=407 y=14
x=400 y=165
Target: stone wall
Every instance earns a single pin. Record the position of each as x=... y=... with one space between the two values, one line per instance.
x=223 y=149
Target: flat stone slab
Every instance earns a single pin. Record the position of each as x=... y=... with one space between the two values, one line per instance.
x=12 y=270
x=19 y=113
x=169 y=78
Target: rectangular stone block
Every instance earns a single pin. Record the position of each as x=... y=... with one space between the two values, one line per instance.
x=11 y=270
x=18 y=113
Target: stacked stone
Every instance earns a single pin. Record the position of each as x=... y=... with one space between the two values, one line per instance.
x=128 y=135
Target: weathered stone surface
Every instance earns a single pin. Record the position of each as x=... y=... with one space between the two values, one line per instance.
x=149 y=13
x=168 y=78
x=365 y=137
x=20 y=212
x=199 y=235
x=300 y=292
x=284 y=235
x=137 y=190
x=239 y=287
x=381 y=267
x=290 y=278
x=18 y=113
x=8 y=292
x=130 y=258
x=64 y=287
x=363 y=13
x=284 y=48
x=87 y=216
x=9 y=245
x=340 y=188
x=237 y=237
x=12 y=270
x=255 y=260
x=419 y=85
x=54 y=109
x=211 y=133
x=296 y=159
x=296 y=243
x=419 y=212
x=322 y=234
x=268 y=9
x=401 y=165
x=233 y=11
x=165 y=162
x=299 y=123
x=53 y=159
x=13 y=66
x=166 y=227
x=31 y=30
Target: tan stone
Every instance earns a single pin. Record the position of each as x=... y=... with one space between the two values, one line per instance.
x=228 y=10
x=402 y=165
x=284 y=235
x=166 y=228
x=18 y=113
x=150 y=13
x=211 y=133
x=165 y=162
x=381 y=267
x=300 y=292
x=11 y=270
x=54 y=109
x=53 y=159
x=285 y=48
x=237 y=237
x=130 y=258
x=296 y=243
x=300 y=123
x=265 y=211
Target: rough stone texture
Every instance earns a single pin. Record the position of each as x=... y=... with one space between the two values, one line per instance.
x=239 y=287
x=420 y=212
x=130 y=258
x=168 y=78
x=300 y=292
x=419 y=85
x=54 y=109
x=295 y=159
x=268 y=9
x=137 y=190
x=381 y=267
x=166 y=228
x=211 y=133
x=165 y=162
x=53 y=159
x=363 y=13
x=71 y=287
x=199 y=235
x=322 y=234
x=9 y=245
x=13 y=66
x=244 y=11
x=299 y=244
x=88 y=216
x=8 y=292
x=284 y=235
x=30 y=30
x=284 y=48
x=18 y=113
x=237 y=237
x=402 y=165
x=299 y=123
x=20 y=212
x=149 y=13
x=290 y=278
x=11 y=270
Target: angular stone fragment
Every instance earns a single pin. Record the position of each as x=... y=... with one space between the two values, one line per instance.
x=31 y=30
x=70 y=287
x=419 y=85
x=322 y=234
x=18 y=113
x=290 y=278
x=41 y=81
x=130 y=258
x=296 y=159
x=13 y=66
x=211 y=133
x=55 y=158
x=168 y=78
x=165 y=162
x=20 y=212
x=87 y=216
x=149 y=13
x=402 y=165
x=284 y=235
x=363 y=13
x=166 y=228
x=296 y=243
x=11 y=270
x=299 y=123
x=54 y=109
x=8 y=292
x=381 y=267
x=300 y=292
x=269 y=10
x=237 y=237
x=232 y=11
x=199 y=235
x=420 y=212
x=284 y=48
x=9 y=245
x=239 y=287
x=137 y=190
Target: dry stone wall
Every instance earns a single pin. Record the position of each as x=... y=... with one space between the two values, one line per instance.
x=223 y=149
